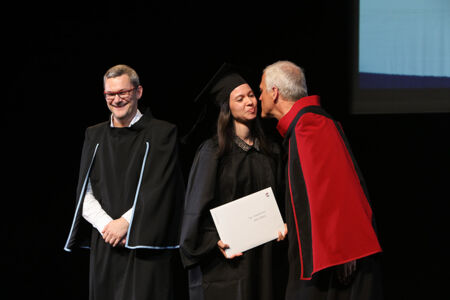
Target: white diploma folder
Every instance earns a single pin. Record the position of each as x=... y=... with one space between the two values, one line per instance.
x=249 y=221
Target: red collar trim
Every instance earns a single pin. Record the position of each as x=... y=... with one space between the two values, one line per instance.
x=286 y=120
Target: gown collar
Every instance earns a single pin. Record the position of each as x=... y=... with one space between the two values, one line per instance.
x=244 y=146
x=286 y=120
x=136 y=118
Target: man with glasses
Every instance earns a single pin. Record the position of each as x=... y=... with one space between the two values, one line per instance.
x=130 y=199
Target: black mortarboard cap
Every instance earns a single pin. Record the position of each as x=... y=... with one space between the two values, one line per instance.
x=219 y=87
x=217 y=91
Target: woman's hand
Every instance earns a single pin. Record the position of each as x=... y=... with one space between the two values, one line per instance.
x=282 y=236
x=222 y=246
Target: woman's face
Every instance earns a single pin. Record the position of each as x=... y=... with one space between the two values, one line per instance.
x=243 y=104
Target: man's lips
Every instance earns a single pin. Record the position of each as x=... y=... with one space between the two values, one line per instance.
x=119 y=105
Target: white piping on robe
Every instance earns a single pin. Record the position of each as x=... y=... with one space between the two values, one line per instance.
x=134 y=207
x=79 y=200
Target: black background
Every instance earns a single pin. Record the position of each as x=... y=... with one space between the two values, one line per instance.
x=55 y=57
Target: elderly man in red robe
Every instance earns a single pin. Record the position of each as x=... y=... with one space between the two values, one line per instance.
x=333 y=242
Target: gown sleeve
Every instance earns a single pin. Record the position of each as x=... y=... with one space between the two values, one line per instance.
x=279 y=177
x=198 y=233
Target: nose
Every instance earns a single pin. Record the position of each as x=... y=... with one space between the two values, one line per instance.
x=249 y=101
x=117 y=98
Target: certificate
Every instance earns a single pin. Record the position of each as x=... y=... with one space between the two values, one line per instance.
x=248 y=221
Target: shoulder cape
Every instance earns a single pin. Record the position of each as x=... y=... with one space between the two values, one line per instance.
x=331 y=214
x=156 y=190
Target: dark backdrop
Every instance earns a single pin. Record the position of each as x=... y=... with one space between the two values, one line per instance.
x=56 y=55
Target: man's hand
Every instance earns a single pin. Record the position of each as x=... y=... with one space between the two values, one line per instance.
x=282 y=236
x=346 y=271
x=115 y=231
x=223 y=246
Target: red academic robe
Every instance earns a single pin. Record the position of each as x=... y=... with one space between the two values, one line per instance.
x=328 y=214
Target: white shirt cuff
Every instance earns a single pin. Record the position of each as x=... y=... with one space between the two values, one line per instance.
x=127 y=216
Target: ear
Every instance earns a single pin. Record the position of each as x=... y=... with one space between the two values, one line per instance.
x=139 y=92
x=275 y=94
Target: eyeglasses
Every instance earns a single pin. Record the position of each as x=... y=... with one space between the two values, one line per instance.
x=123 y=94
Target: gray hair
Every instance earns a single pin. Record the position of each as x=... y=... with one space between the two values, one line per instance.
x=288 y=78
x=120 y=70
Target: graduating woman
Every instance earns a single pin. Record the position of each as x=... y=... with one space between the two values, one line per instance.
x=236 y=162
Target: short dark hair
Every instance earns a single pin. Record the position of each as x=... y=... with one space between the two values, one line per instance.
x=120 y=70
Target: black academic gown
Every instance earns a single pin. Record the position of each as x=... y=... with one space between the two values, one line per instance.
x=138 y=168
x=213 y=182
